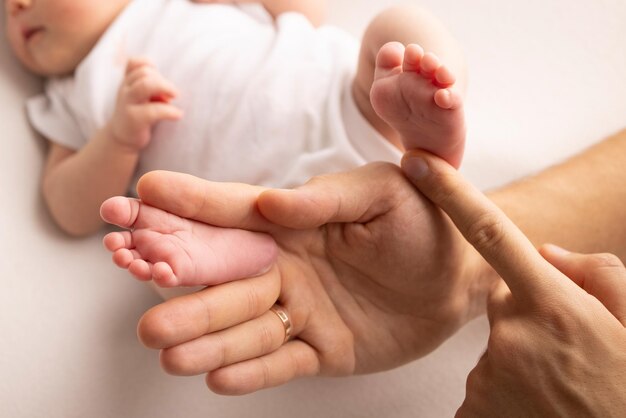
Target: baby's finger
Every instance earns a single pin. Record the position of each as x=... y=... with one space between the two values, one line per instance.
x=600 y=275
x=152 y=113
x=188 y=317
x=135 y=63
x=292 y=360
x=151 y=86
x=485 y=226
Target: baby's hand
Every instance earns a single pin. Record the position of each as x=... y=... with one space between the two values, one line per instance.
x=142 y=100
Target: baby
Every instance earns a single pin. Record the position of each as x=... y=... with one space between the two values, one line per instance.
x=248 y=91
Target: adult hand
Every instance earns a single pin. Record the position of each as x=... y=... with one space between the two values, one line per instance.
x=557 y=345
x=371 y=274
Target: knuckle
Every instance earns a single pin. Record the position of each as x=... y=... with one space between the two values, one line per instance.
x=486 y=232
x=505 y=344
x=605 y=260
x=561 y=323
x=266 y=338
x=319 y=180
x=265 y=372
x=253 y=302
x=142 y=85
x=144 y=71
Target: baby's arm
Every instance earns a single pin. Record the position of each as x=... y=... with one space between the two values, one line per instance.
x=75 y=183
x=314 y=10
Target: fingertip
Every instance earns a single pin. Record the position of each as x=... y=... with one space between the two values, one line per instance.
x=277 y=204
x=415 y=166
x=553 y=251
x=153 y=329
x=148 y=180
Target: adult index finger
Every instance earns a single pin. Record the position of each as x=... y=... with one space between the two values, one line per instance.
x=483 y=224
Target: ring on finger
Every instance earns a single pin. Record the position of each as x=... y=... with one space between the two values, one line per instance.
x=284 y=318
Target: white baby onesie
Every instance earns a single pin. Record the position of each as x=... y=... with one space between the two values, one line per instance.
x=264 y=102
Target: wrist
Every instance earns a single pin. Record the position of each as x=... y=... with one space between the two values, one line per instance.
x=119 y=144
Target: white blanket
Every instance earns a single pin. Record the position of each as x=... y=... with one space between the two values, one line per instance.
x=547 y=79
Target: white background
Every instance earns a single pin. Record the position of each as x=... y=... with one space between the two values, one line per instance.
x=546 y=80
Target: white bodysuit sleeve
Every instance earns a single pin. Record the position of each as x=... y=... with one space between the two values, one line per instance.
x=51 y=115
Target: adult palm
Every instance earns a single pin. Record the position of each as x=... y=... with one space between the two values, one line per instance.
x=371 y=274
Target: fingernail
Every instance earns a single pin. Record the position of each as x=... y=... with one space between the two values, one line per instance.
x=416 y=168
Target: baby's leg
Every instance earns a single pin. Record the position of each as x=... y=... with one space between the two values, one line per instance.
x=408 y=96
x=174 y=251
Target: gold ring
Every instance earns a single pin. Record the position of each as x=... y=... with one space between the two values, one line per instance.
x=284 y=318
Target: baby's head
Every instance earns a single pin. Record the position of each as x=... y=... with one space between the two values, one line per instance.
x=51 y=37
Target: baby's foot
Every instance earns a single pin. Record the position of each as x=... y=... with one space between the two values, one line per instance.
x=175 y=251
x=413 y=93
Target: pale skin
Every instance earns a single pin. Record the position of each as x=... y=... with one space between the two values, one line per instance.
x=557 y=343
x=398 y=94
x=49 y=37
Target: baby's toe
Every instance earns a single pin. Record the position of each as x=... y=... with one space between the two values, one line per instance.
x=448 y=99
x=413 y=55
x=120 y=211
x=117 y=240
x=444 y=77
x=389 y=59
x=123 y=257
x=141 y=269
x=429 y=65
x=163 y=275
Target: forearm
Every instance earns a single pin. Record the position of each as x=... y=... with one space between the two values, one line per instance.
x=75 y=187
x=578 y=204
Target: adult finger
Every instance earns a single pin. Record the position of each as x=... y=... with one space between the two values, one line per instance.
x=150 y=86
x=216 y=308
x=230 y=205
x=484 y=225
x=292 y=360
x=600 y=275
x=352 y=196
x=245 y=341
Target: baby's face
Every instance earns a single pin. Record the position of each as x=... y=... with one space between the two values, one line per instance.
x=51 y=37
